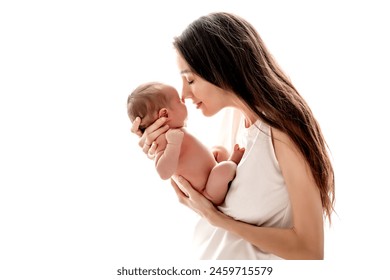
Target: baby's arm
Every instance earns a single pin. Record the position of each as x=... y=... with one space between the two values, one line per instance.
x=168 y=159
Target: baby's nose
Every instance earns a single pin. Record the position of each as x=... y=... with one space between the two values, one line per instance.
x=184 y=95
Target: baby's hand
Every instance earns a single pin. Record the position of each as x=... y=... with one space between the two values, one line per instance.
x=174 y=136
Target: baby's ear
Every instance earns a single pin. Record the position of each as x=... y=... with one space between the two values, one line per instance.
x=163 y=113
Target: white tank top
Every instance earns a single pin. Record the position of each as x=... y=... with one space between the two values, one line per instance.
x=257 y=195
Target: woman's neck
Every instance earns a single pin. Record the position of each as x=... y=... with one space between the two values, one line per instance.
x=250 y=116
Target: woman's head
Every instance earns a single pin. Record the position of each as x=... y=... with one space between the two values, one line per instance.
x=226 y=51
x=206 y=96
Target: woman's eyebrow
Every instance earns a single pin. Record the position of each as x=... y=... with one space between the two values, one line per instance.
x=185 y=71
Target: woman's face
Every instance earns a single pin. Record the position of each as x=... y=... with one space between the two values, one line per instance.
x=207 y=97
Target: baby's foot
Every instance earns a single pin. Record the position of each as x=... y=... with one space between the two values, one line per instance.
x=220 y=153
x=237 y=154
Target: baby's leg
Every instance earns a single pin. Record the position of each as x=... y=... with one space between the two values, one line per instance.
x=220 y=153
x=221 y=175
x=218 y=181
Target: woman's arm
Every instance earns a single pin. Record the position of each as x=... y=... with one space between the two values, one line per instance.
x=305 y=240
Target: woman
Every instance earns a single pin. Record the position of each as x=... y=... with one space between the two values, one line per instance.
x=284 y=186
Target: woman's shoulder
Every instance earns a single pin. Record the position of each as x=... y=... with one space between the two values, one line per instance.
x=285 y=148
x=280 y=138
x=291 y=161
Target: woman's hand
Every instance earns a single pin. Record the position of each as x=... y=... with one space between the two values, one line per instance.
x=148 y=137
x=194 y=200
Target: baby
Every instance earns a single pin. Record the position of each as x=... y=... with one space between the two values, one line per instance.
x=178 y=152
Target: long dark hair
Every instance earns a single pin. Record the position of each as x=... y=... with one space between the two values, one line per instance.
x=227 y=51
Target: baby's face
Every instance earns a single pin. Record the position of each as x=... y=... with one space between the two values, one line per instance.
x=177 y=109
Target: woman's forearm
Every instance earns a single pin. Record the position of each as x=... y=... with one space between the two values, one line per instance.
x=283 y=242
x=304 y=241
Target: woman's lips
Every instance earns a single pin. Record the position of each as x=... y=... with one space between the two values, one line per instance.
x=198 y=105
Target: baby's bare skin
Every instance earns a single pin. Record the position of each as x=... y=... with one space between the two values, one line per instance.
x=180 y=153
x=177 y=152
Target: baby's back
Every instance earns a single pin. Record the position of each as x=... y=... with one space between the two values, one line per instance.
x=195 y=162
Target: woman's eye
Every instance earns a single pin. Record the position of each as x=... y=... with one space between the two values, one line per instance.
x=190 y=82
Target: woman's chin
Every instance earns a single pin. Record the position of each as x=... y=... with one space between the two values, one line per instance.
x=208 y=113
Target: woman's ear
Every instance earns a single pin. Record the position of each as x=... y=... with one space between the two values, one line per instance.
x=163 y=113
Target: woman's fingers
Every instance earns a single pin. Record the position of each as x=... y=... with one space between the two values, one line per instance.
x=152 y=132
x=184 y=191
x=146 y=148
x=191 y=197
x=184 y=186
x=155 y=130
x=135 y=127
x=181 y=196
x=152 y=151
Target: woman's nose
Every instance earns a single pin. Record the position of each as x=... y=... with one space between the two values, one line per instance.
x=185 y=93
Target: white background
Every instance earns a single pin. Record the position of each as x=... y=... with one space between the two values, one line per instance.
x=78 y=199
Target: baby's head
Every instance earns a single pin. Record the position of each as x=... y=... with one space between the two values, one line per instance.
x=154 y=100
